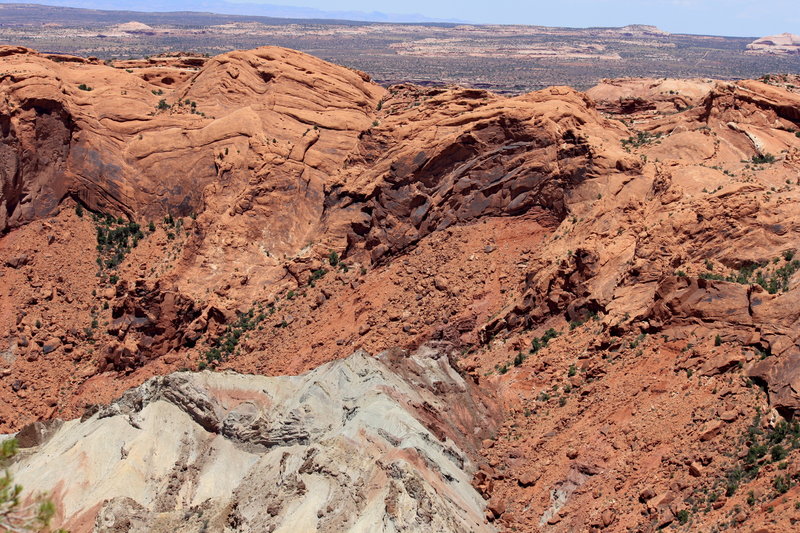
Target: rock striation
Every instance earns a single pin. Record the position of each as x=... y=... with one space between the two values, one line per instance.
x=782 y=44
x=361 y=444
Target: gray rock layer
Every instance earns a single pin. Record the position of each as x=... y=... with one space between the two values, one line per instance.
x=360 y=444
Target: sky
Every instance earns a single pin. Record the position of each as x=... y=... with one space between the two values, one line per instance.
x=746 y=18
x=716 y=17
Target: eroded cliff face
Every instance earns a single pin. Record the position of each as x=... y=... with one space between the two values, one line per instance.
x=361 y=444
x=618 y=269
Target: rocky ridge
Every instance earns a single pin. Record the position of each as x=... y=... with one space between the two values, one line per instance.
x=361 y=444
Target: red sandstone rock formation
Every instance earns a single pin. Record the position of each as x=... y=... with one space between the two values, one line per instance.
x=617 y=268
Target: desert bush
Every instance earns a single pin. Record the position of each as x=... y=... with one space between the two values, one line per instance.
x=18 y=514
x=763 y=159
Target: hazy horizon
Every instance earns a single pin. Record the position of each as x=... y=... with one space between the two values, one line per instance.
x=742 y=18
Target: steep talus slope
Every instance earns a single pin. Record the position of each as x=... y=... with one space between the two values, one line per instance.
x=360 y=444
x=732 y=135
x=618 y=269
x=672 y=300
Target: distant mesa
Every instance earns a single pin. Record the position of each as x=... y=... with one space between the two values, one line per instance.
x=783 y=44
x=133 y=27
x=640 y=30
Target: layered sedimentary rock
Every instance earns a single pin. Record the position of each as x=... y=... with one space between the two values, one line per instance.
x=781 y=44
x=617 y=269
x=361 y=444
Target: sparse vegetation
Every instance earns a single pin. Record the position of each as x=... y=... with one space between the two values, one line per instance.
x=763 y=445
x=763 y=159
x=317 y=274
x=773 y=279
x=115 y=238
x=575 y=324
x=19 y=513
x=84 y=87
x=333 y=258
x=539 y=343
x=226 y=344
x=642 y=138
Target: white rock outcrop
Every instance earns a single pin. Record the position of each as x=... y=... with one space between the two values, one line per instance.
x=361 y=444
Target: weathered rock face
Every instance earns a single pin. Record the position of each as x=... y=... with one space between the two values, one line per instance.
x=361 y=444
x=632 y=95
x=632 y=280
x=465 y=154
x=238 y=138
x=782 y=44
x=100 y=134
x=149 y=322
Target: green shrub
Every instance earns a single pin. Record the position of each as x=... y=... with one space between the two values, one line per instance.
x=18 y=512
x=84 y=87
x=755 y=452
x=642 y=138
x=772 y=280
x=537 y=343
x=682 y=516
x=79 y=210
x=115 y=238
x=763 y=159
x=778 y=453
x=782 y=484
x=225 y=345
